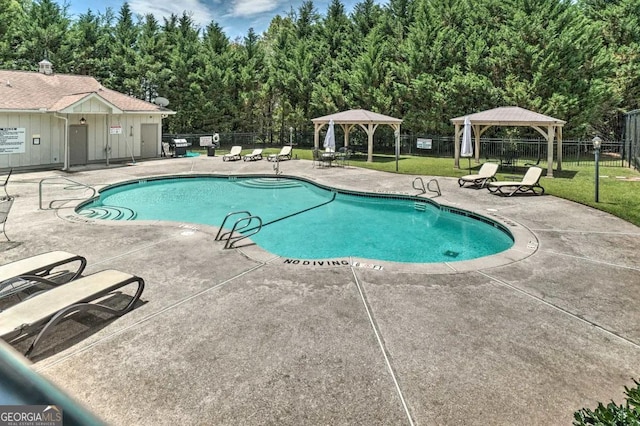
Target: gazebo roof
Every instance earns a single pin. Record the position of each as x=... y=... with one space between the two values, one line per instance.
x=357 y=116
x=509 y=116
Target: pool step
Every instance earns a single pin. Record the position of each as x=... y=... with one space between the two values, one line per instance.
x=420 y=206
x=268 y=183
x=108 y=213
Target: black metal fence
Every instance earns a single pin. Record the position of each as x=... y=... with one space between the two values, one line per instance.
x=523 y=151
x=517 y=152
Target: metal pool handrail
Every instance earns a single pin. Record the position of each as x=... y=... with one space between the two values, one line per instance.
x=75 y=185
x=220 y=235
x=231 y=240
x=423 y=189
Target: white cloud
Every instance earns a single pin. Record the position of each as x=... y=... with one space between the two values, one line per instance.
x=246 y=8
x=199 y=12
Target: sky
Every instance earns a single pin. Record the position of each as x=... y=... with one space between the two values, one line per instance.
x=234 y=16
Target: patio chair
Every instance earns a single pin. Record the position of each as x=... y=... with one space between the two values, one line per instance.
x=5 y=207
x=234 y=154
x=45 y=310
x=322 y=159
x=343 y=155
x=486 y=174
x=6 y=181
x=284 y=154
x=529 y=183
x=255 y=155
x=42 y=268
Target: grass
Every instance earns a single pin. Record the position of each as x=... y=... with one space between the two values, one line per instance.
x=619 y=197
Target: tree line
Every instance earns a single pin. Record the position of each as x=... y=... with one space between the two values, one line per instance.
x=424 y=61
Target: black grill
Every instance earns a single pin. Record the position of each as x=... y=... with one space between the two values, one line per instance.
x=180 y=147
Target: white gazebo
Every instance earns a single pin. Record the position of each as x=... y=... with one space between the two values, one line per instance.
x=550 y=128
x=369 y=121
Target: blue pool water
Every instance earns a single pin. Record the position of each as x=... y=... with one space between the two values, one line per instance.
x=318 y=223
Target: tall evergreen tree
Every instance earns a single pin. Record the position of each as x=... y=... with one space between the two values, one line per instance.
x=90 y=45
x=12 y=17
x=122 y=60
x=151 y=65
x=44 y=35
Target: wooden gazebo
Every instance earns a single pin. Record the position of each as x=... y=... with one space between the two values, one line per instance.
x=550 y=128
x=368 y=120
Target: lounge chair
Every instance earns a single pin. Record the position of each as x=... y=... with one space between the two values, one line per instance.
x=255 y=155
x=284 y=154
x=22 y=274
x=50 y=307
x=5 y=208
x=233 y=155
x=486 y=174
x=529 y=183
x=6 y=182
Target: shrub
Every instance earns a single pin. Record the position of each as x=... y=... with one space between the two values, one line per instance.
x=613 y=415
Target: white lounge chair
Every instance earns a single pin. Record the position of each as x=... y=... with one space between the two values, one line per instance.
x=284 y=154
x=486 y=174
x=6 y=182
x=255 y=155
x=233 y=155
x=24 y=273
x=5 y=208
x=50 y=307
x=529 y=183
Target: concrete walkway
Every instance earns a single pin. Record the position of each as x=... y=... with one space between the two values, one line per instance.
x=231 y=337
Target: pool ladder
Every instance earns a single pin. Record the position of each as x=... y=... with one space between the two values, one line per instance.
x=418 y=185
x=241 y=223
x=69 y=185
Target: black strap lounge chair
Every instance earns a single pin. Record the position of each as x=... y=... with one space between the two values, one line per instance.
x=529 y=183
x=486 y=174
x=45 y=310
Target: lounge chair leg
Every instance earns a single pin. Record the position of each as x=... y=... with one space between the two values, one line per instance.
x=86 y=307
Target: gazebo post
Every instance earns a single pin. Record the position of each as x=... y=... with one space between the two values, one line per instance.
x=371 y=129
x=316 y=135
x=550 y=151
x=456 y=144
x=347 y=132
x=559 y=137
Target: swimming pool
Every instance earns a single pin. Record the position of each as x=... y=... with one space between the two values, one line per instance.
x=302 y=220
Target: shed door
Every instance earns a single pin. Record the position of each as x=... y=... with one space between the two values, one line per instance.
x=78 y=145
x=149 y=140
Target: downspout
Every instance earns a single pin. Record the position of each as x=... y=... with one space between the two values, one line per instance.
x=65 y=166
x=107 y=137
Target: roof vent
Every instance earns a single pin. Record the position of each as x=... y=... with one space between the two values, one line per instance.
x=8 y=83
x=46 y=67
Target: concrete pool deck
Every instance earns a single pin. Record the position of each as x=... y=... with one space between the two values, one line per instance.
x=241 y=337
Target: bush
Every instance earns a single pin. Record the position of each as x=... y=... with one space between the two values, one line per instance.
x=612 y=414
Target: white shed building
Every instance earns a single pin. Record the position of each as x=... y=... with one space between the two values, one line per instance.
x=52 y=120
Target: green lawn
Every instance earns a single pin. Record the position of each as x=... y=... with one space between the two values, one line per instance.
x=576 y=183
